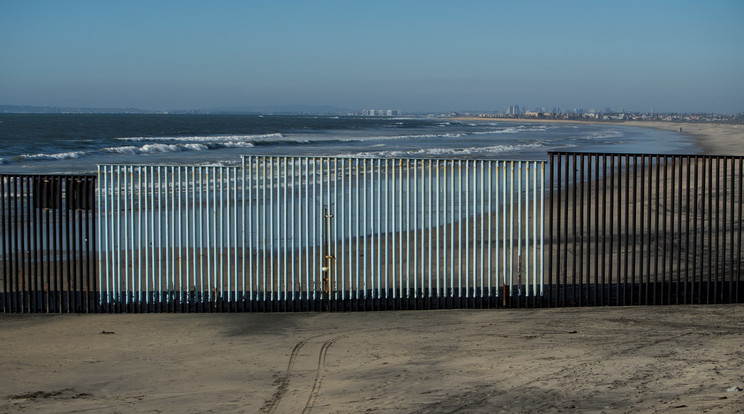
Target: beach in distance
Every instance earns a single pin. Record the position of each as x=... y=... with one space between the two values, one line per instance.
x=713 y=138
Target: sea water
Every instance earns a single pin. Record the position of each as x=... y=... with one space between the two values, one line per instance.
x=77 y=143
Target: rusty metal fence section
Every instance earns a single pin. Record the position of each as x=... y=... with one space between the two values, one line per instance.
x=48 y=243
x=635 y=229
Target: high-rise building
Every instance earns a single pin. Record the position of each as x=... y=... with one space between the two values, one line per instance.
x=513 y=110
x=380 y=112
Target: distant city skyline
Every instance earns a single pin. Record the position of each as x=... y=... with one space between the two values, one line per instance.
x=673 y=56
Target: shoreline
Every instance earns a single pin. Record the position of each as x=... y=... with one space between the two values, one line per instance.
x=712 y=138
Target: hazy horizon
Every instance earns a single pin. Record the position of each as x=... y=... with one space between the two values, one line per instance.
x=672 y=56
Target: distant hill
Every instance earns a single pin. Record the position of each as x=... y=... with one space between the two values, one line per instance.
x=268 y=110
x=27 y=109
x=274 y=110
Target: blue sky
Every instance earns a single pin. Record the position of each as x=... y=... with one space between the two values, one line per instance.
x=684 y=56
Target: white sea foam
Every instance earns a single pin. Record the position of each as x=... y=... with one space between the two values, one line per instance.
x=399 y=137
x=128 y=149
x=53 y=157
x=206 y=138
x=607 y=133
x=509 y=130
x=162 y=148
x=238 y=144
x=441 y=152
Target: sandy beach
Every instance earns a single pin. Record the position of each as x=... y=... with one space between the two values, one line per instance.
x=713 y=138
x=631 y=359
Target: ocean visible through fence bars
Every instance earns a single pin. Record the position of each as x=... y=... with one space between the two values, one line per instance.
x=283 y=233
x=645 y=229
x=294 y=233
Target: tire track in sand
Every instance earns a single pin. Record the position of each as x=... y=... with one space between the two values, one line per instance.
x=319 y=374
x=270 y=405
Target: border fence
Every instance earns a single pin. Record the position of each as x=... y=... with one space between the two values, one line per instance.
x=298 y=233
x=640 y=229
x=48 y=239
x=340 y=234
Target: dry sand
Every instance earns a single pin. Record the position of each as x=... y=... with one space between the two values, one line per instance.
x=631 y=359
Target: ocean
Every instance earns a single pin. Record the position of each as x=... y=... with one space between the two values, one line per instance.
x=77 y=143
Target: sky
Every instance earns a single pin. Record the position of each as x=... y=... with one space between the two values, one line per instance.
x=415 y=56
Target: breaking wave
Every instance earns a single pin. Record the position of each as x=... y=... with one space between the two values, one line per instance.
x=208 y=138
x=57 y=156
x=161 y=148
x=444 y=152
x=153 y=148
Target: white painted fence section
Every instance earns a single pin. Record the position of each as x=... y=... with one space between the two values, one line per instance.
x=311 y=233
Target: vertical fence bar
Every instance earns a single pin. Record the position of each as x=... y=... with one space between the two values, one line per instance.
x=35 y=218
x=551 y=225
x=709 y=212
x=511 y=229
x=344 y=226
x=314 y=232
x=740 y=177
x=575 y=235
x=452 y=232
x=688 y=186
x=357 y=230
x=491 y=270
x=4 y=220
x=674 y=252
x=365 y=226
x=627 y=228
x=389 y=270
x=431 y=214
x=636 y=206
x=565 y=207
x=378 y=239
x=399 y=234
x=583 y=297
x=464 y=223
x=542 y=227
x=716 y=269
x=480 y=264
x=294 y=237
x=335 y=239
